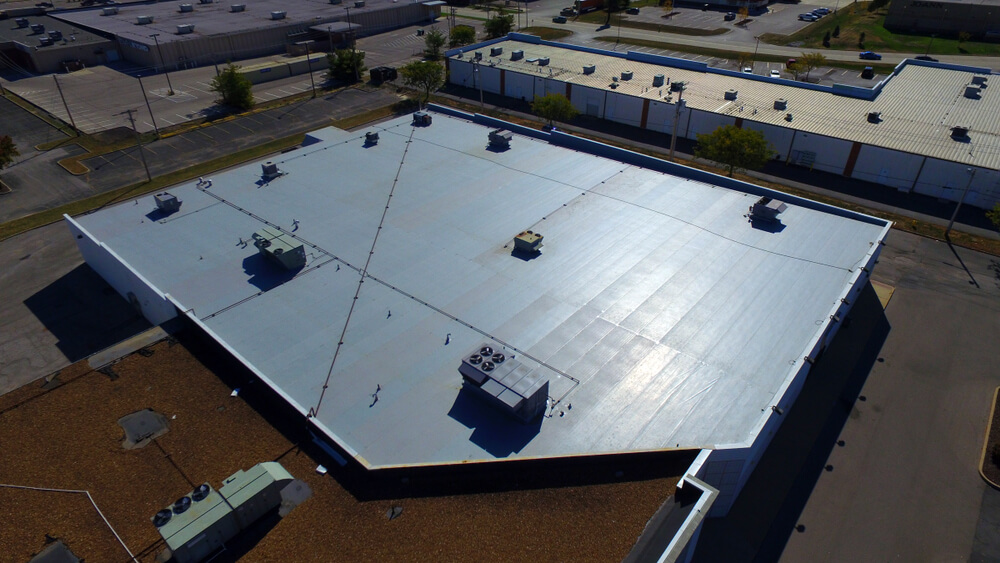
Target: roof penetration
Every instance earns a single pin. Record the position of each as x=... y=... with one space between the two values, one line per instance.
x=657 y=313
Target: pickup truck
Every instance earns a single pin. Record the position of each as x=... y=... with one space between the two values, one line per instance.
x=584 y=6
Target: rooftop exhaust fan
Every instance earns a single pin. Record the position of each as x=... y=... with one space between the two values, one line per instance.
x=161 y=518
x=500 y=139
x=269 y=170
x=201 y=492
x=181 y=505
x=529 y=242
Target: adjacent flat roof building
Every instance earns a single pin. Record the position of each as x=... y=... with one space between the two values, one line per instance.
x=662 y=307
x=42 y=44
x=204 y=32
x=921 y=129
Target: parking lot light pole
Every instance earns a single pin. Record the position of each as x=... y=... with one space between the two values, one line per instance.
x=170 y=87
x=312 y=81
x=972 y=174
x=150 y=108
x=754 y=63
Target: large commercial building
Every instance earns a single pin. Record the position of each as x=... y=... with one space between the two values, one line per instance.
x=189 y=34
x=437 y=293
x=38 y=44
x=981 y=18
x=922 y=129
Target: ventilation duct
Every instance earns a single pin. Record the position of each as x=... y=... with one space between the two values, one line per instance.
x=781 y=103
x=269 y=170
x=979 y=80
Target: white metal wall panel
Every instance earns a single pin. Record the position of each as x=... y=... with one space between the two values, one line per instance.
x=887 y=166
x=460 y=73
x=623 y=108
x=779 y=137
x=518 y=86
x=947 y=180
x=588 y=101
x=705 y=122
x=831 y=154
x=661 y=117
x=491 y=79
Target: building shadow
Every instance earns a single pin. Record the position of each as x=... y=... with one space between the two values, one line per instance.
x=263 y=274
x=768 y=508
x=493 y=431
x=525 y=255
x=767 y=226
x=84 y=313
x=248 y=538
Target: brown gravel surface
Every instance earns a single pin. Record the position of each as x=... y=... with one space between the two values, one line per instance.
x=67 y=437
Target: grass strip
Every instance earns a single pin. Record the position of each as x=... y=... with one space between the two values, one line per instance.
x=547 y=33
x=599 y=17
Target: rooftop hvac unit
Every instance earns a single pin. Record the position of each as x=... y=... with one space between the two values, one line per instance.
x=336 y=1
x=528 y=242
x=960 y=132
x=55 y=35
x=979 y=80
x=788 y=117
x=371 y=138
x=496 y=51
x=186 y=8
x=237 y=7
x=185 y=28
x=766 y=209
x=205 y=1
x=21 y=22
x=516 y=55
x=279 y=15
x=972 y=91
x=504 y=382
x=280 y=248
x=781 y=103
x=543 y=61
x=421 y=118
x=37 y=28
x=500 y=139
x=269 y=170
x=589 y=69
x=730 y=94
x=478 y=56
x=109 y=11
x=44 y=41
x=359 y=3
x=676 y=86
x=167 y=202
x=658 y=80
x=626 y=75
x=874 y=116
x=144 y=20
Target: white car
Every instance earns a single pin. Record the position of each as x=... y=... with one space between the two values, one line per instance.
x=747 y=70
x=775 y=74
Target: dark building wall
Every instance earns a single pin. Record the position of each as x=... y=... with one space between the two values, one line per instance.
x=933 y=16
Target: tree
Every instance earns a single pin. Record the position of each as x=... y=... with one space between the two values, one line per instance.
x=8 y=151
x=734 y=148
x=423 y=75
x=346 y=65
x=810 y=61
x=499 y=25
x=744 y=13
x=993 y=215
x=233 y=88
x=826 y=39
x=461 y=35
x=614 y=6
x=796 y=68
x=836 y=31
x=861 y=40
x=554 y=107
x=963 y=36
x=743 y=59
x=433 y=41
x=668 y=8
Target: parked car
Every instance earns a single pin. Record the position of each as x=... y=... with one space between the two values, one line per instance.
x=790 y=62
x=926 y=58
x=807 y=17
x=817 y=13
x=632 y=11
x=559 y=19
x=868 y=73
x=775 y=74
x=823 y=11
x=748 y=70
x=568 y=12
x=730 y=16
x=870 y=56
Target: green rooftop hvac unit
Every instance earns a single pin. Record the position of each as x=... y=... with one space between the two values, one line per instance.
x=280 y=248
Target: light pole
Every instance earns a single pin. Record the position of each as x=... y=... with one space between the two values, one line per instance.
x=150 y=108
x=972 y=174
x=928 y=51
x=479 y=78
x=677 y=115
x=170 y=87
x=754 y=63
x=138 y=141
x=312 y=81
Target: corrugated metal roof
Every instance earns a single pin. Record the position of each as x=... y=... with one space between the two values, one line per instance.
x=919 y=104
x=659 y=315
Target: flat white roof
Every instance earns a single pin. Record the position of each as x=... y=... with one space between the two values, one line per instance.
x=661 y=316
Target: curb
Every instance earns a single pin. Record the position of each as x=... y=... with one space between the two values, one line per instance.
x=986 y=442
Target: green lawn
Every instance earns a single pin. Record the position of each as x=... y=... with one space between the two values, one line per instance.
x=547 y=33
x=600 y=16
x=856 y=19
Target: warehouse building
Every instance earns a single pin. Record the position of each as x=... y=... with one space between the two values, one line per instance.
x=498 y=293
x=38 y=44
x=980 y=18
x=188 y=34
x=925 y=129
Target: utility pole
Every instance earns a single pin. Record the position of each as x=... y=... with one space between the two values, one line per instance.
x=150 y=108
x=754 y=63
x=138 y=141
x=170 y=87
x=354 y=52
x=312 y=81
x=972 y=174
x=65 y=105
x=677 y=115
x=479 y=78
